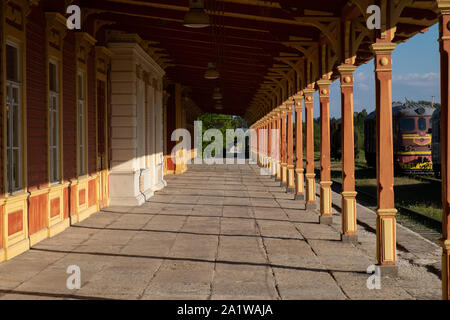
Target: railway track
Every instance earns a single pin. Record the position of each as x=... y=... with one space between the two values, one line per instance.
x=429 y=227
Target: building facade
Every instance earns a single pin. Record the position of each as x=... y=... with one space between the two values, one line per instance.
x=83 y=123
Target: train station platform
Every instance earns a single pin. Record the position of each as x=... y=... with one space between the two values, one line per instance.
x=219 y=232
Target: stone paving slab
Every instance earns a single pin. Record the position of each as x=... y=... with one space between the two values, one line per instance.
x=218 y=232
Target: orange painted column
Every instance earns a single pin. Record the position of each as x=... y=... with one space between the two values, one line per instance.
x=257 y=145
x=348 y=207
x=310 y=195
x=325 y=161
x=290 y=149
x=283 y=109
x=269 y=140
x=386 y=221
x=274 y=145
x=264 y=143
x=280 y=145
x=300 y=179
x=444 y=48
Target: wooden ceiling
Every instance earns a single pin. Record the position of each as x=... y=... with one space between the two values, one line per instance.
x=246 y=38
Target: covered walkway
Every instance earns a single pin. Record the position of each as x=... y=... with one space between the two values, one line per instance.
x=217 y=232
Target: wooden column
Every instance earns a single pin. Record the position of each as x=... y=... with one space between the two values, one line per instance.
x=269 y=141
x=274 y=146
x=263 y=142
x=310 y=195
x=280 y=145
x=283 y=109
x=290 y=149
x=325 y=162
x=257 y=145
x=348 y=208
x=299 y=185
x=444 y=48
x=386 y=222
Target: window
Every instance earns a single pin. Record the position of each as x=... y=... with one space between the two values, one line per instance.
x=13 y=110
x=53 y=120
x=422 y=124
x=407 y=124
x=81 y=126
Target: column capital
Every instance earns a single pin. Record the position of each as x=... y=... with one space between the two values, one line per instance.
x=346 y=69
x=383 y=47
x=323 y=83
x=308 y=91
x=324 y=88
x=443 y=6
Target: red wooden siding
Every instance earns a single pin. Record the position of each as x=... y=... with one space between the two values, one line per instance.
x=1 y=124
x=1 y=223
x=92 y=131
x=66 y=202
x=92 y=193
x=36 y=100
x=101 y=121
x=69 y=105
x=82 y=197
x=15 y=222
x=73 y=200
x=55 y=208
x=37 y=214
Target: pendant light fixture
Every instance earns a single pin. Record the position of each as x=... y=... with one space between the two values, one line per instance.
x=196 y=17
x=212 y=73
x=217 y=95
x=218 y=105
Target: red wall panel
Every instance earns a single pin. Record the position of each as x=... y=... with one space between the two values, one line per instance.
x=82 y=197
x=15 y=222
x=1 y=225
x=37 y=213
x=55 y=208
x=73 y=200
x=92 y=193
x=66 y=202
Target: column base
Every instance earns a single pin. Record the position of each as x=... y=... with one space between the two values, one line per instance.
x=279 y=171
x=325 y=198
x=387 y=270
x=311 y=206
x=291 y=176
x=284 y=173
x=327 y=220
x=290 y=190
x=349 y=238
x=300 y=184
x=348 y=212
x=310 y=194
x=300 y=196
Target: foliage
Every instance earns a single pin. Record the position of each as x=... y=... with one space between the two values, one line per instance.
x=220 y=122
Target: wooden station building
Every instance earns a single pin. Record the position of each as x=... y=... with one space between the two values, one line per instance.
x=87 y=115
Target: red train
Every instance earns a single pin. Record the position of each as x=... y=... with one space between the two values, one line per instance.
x=412 y=125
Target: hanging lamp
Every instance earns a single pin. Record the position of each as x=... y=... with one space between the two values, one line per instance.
x=212 y=73
x=196 y=17
x=217 y=95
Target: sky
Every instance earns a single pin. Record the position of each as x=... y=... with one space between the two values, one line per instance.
x=415 y=75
